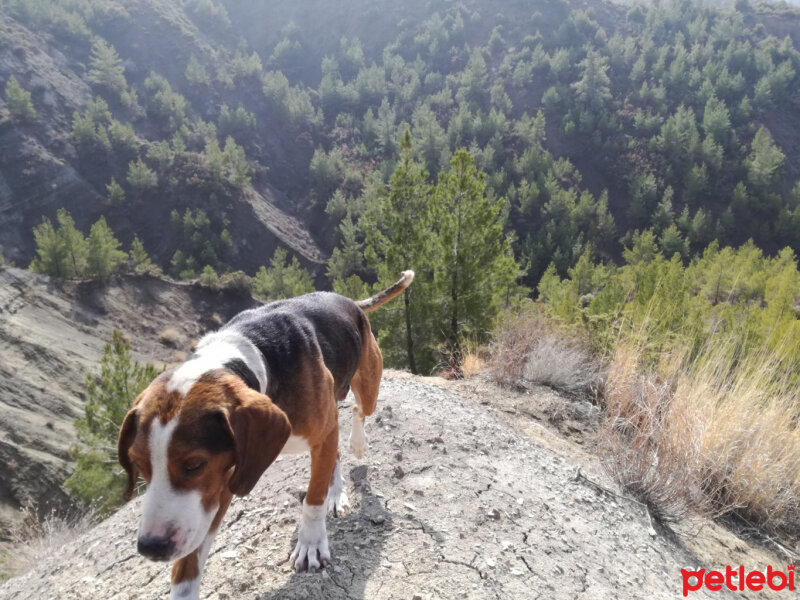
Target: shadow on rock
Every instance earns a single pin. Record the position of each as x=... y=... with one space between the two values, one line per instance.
x=356 y=541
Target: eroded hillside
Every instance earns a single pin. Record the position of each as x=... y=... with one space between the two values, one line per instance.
x=51 y=336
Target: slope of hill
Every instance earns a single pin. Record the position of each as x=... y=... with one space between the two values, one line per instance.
x=591 y=119
x=456 y=499
x=51 y=337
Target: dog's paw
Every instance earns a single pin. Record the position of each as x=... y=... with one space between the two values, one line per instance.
x=358 y=439
x=338 y=503
x=337 y=498
x=311 y=550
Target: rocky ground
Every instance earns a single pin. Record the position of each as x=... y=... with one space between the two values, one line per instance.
x=465 y=493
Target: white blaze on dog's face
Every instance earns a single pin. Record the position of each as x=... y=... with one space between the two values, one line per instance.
x=194 y=451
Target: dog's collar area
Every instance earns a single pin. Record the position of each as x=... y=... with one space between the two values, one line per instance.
x=239 y=368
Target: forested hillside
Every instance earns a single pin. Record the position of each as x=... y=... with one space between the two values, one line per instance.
x=217 y=132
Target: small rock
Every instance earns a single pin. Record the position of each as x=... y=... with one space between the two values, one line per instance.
x=228 y=554
x=398 y=472
x=493 y=514
x=398 y=456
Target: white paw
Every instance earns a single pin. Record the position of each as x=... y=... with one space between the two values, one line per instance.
x=337 y=497
x=311 y=549
x=358 y=439
x=338 y=504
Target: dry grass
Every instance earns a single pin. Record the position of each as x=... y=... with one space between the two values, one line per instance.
x=717 y=436
x=37 y=538
x=531 y=348
x=474 y=361
x=170 y=337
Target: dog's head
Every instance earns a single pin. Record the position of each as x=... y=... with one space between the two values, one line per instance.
x=194 y=450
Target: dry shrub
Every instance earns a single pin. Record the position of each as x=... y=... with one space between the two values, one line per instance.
x=170 y=337
x=645 y=445
x=531 y=348
x=473 y=361
x=38 y=537
x=717 y=436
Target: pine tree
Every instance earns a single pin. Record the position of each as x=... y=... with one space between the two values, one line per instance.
x=74 y=244
x=399 y=232
x=140 y=176
x=106 y=67
x=116 y=195
x=18 y=101
x=593 y=89
x=475 y=271
x=138 y=257
x=196 y=73
x=283 y=279
x=104 y=258
x=97 y=478
x=765 y=162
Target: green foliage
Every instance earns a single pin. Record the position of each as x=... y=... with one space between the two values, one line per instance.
x=64 y=252
x=61 y=252
x=103 y=255
x=139 y=260
x=283 y=279
x=98 y=479
x=765 y=161
x=196 y=73
x=476 y=271
x=106 y=68
x=18 y=101
x=399 y=232
x=166 y=107
x=141 y=177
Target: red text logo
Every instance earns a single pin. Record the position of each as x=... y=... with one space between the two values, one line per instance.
x=738 y=579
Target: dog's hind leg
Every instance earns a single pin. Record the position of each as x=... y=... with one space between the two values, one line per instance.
x=337 y=496
x=365 y=386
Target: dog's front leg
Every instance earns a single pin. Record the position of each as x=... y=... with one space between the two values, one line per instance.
x=312 y=537
x=187 y=571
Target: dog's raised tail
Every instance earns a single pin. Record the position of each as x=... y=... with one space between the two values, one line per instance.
x=406 y=277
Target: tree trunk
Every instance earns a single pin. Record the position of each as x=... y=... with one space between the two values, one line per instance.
x=412 y=364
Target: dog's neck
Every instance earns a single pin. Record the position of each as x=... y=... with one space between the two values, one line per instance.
x=223 y=349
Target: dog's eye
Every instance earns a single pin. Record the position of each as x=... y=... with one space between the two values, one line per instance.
x=193 y=467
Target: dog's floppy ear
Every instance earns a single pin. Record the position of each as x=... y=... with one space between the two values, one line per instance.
x=127 y=433
x=260 y=430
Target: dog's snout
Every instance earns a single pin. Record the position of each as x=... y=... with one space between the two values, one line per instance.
x=156 y=547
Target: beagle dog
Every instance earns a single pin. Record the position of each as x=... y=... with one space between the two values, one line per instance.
x=266 y=383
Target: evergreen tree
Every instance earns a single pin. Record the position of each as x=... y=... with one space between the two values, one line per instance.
x=18 y=101
x=97 y=479
x=141 y=177
x=139 y=260
x=116 y=195
x=399 y=232
x=104 y=258
x=196 y=73
x=62 y=252
x=765 y=160
x=593 y=88
x=475 y=270
x=283 y=279
x=106 y=68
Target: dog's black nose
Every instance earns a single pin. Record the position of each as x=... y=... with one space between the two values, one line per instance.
x=155 y=548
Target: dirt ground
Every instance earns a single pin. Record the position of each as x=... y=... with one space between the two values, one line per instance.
x=464 y=493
